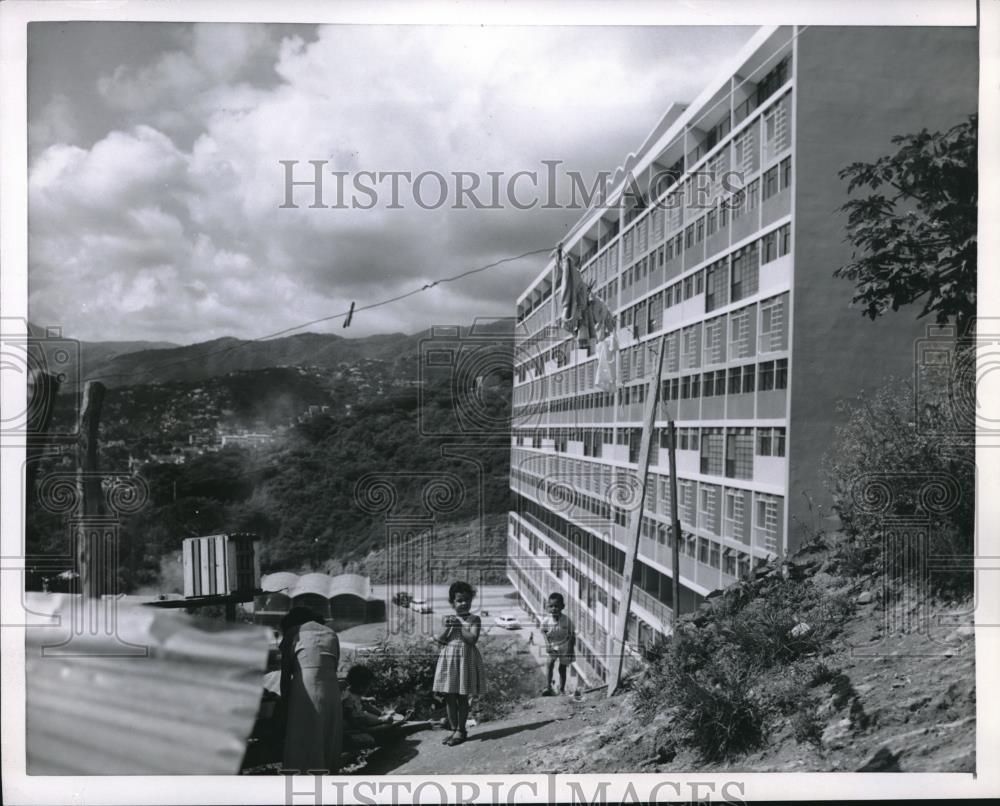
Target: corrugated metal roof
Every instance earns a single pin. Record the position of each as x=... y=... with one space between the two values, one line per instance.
x=186 y=707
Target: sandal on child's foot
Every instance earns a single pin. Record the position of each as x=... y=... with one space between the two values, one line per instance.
x=449 y=737
x=458 y=738
x=548 y=692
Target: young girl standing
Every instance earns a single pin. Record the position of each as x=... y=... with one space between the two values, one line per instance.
x=459 y=670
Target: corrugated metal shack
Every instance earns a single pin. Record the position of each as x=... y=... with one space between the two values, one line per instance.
x=137 y=690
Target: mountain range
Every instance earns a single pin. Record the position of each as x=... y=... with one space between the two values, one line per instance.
x=134 y=363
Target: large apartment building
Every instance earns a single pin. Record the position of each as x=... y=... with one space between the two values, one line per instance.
x=761 y=341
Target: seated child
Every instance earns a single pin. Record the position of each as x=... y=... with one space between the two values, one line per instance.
x=560 y=641
x=364 y=725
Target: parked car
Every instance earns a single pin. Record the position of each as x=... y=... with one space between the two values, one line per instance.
x=403 y=599
x=421 y=606
x=508 y=621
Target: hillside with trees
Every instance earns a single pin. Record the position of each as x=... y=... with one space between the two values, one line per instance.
x=280 y=451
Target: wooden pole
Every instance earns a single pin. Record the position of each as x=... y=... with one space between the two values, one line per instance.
x=42 y=393
x=635 y=525
x=89 y=489
x=675 y=525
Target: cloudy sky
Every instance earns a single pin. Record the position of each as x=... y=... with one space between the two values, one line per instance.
x=155 y=183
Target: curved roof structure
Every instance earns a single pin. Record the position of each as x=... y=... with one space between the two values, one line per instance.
x=354 y=584
x=281 y=582
x=293 y=585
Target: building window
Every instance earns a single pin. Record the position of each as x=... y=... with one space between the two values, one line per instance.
x=720 y=382
x=740 y=345
x=739 y=453
x=749 y=376
x=689 y=236
x=711 y=222
x=709 y=385
x=673 y=212
x=734 y=520
x=766 y=516
x=776 y=132
x=745 y=272
x=689 y=544
x=753 y=195
x=735 y=380
x=744 y=152
x=687 y=439
x=772 y=325
x=784 y=240
x=709 y=507
x=729 y=562
x=738 y=203
x=781 y=373
x=715 y=285
x=770 y=441
x=786 y=173
x=699 y=230
x=765 y=372
x=686 y=505
x=769 y=247
x=655 y=311
x=770 y=187
x=670 y=359
x=711 y=451
x=691 y=346
x=714 y=351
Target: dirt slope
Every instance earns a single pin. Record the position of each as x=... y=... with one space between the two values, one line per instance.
x=900 y=697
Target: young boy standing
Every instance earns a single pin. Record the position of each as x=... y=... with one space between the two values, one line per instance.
x=560 y=641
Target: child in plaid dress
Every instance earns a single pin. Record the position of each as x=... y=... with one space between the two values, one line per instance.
x=459 y=670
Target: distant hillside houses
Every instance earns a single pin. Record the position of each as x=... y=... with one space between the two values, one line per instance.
x=247 y=440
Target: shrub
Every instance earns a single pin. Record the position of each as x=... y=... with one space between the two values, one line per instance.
x=821 y=673
x=404 y=677
x=900 y=457
x=763 y=627
x=710 y=675
x=806 y=726
x=718 y=709
x=510 y=679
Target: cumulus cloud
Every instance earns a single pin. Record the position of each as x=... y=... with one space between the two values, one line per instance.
x=56 y=123
x=169 y=225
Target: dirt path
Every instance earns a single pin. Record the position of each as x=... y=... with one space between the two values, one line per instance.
x=504 y=746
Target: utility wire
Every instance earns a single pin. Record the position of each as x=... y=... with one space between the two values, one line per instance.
x=276 y=334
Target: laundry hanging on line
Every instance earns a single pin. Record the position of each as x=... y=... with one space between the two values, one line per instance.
x=582 y=312
x=588 y=318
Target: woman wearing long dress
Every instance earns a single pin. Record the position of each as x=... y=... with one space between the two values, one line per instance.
x=310 y=652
